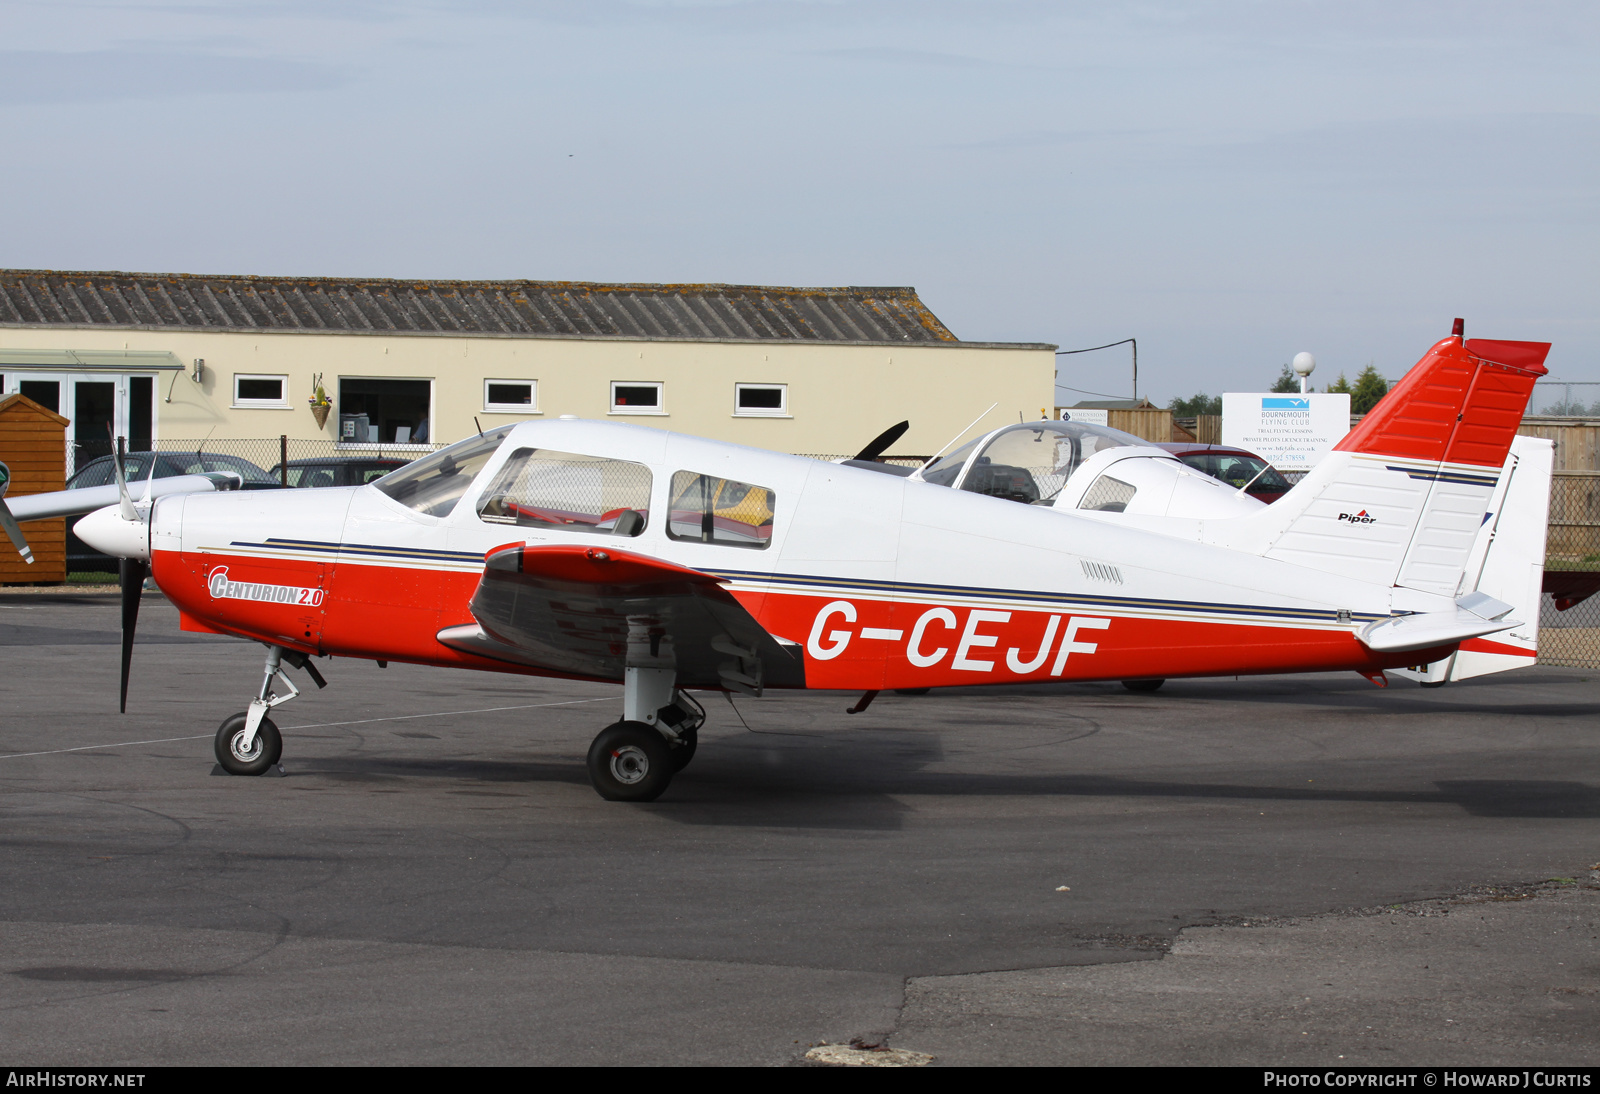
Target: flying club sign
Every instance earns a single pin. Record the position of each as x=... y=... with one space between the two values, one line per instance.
x=1291 y=432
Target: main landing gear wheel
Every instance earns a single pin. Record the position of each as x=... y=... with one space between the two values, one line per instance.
x=631 y=762
x=1143 y=685
x=263 y=752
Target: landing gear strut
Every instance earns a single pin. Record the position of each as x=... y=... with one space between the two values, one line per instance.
x=635 y=759
x=248 y=743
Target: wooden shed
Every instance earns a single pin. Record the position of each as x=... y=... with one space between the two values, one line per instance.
x=33 y=443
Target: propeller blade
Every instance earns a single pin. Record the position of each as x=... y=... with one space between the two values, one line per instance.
x=149 y=488
x=18 y=540
x=9 y=522
x=132 y=571
x=125 y=501
x=880 y=444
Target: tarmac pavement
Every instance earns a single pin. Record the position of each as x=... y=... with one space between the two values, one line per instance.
x=984 y=876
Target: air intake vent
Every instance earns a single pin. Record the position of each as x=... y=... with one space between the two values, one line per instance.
x=1100 y=571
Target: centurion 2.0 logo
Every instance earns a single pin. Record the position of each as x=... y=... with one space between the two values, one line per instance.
x=224 y=589
x=1358 y=518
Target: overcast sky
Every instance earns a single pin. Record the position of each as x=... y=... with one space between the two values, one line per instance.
x=1228 y=182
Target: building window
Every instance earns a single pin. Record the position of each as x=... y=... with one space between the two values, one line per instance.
x=47 y=393
x=260 y=391
x=761 y=400
x=633 y=397
x=385 y=411
x=511 y=396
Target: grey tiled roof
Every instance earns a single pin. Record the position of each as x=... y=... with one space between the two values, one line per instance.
x=529 y=308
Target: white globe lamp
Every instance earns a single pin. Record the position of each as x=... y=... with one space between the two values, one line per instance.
x=1303 y=366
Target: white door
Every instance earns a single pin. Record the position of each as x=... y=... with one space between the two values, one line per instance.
x=91 y=402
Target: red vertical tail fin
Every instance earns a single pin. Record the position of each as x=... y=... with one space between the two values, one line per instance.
x=1462 y=404
x=1402 y=498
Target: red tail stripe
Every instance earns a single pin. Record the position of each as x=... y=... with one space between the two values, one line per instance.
x=1458 y=404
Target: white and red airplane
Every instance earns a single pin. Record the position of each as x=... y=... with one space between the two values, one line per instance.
x=1042 y=551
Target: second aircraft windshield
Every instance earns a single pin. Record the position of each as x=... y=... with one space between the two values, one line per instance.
x=1029 y=462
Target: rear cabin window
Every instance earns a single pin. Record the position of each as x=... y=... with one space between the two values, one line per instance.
x=708 y=509
x=543 y=488
x=1108 y=495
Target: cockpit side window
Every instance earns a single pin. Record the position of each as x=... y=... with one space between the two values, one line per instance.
x=543 y=488
x=433 y=484
x=708 y=509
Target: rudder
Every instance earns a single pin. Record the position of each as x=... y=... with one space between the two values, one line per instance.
x=1400 y=500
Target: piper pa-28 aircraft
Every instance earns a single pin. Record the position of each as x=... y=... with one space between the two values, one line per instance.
x=1044 y=551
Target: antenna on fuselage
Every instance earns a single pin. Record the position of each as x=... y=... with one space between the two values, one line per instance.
x=963 y=433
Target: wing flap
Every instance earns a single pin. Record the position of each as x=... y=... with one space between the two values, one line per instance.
x=595 y=612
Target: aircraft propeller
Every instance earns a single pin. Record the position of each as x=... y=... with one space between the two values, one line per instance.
x=880 y=444
x=9 y=523
x=131 y=571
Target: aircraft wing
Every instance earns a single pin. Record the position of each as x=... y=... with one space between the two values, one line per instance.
x=595 y=611
x=74 y=503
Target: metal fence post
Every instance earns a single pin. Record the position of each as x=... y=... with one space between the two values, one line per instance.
x=283 y=459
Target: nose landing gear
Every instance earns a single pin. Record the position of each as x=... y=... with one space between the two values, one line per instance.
x=248 y=743
x=240 y=753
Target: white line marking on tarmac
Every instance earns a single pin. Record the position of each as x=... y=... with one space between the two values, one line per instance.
x=320 y=725
x=119 y=744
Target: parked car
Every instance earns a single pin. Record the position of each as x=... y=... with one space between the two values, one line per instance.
x=1234 y=466
x=101 y=472
x=337 y=470
x=82 y=558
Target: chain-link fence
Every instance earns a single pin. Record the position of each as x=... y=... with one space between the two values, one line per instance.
x=1572 y=573
x=263 y=454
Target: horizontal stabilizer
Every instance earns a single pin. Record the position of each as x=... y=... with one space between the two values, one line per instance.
x=1426 y=630
x=1484 y=606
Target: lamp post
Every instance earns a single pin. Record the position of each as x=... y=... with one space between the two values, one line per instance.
x=1303 y=365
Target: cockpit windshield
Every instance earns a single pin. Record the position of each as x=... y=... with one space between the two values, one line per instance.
x=1029 y=462
x=433 y=484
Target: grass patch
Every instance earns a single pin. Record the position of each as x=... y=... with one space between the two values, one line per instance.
x=92 y=577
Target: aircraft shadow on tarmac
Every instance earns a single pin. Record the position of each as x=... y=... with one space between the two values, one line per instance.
x=869 y=780
x=1400 y=699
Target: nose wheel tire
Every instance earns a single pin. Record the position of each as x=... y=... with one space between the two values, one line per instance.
x=264 y=751
x=631 y=762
